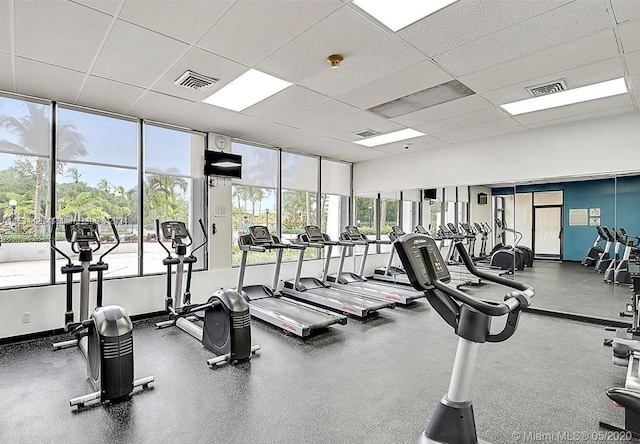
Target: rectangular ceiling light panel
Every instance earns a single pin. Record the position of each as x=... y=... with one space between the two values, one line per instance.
x=436 y=95
x=395 y=136
x=398 y=14
x=578 y=95
x=250 y=88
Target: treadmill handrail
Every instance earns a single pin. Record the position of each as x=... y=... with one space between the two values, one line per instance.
x=471 y=266
x=252 y=248
x=516 y=300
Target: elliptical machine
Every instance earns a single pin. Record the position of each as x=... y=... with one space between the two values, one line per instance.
x=453 y=421
x=226 y=329
x=106 y=337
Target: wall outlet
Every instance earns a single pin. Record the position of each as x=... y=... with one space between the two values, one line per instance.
x=26 y=317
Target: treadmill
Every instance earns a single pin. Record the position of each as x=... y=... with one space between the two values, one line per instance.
x=267 y=304
x=356 y=281
x=392 y=273
x=318 y=292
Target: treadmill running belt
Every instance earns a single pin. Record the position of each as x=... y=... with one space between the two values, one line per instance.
x=313 y=319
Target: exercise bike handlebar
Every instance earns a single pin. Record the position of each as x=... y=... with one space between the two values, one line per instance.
x=52 y=241
x=115 y=235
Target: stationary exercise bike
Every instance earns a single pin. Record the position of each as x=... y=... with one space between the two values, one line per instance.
x=105 y=337
x=452 y=421
x=226 y=329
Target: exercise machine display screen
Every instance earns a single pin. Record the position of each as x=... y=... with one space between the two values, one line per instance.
x=420 y=229
x=314 y=233
x=260 y=233
x=174 y=229
x=353 y=233
x=81 y=231
x=409 y=249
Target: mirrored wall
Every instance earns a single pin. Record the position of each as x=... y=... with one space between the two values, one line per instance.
x=545 y=228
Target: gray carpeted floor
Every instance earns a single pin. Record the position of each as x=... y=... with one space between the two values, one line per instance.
x=375 y=381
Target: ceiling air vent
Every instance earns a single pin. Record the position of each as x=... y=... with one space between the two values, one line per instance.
x=194 y=80
x=365 y=134
x=547 y=88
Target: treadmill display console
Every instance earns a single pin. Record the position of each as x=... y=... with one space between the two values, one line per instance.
x=409 y=249
x=420 y=229
x=313 y=233
x=260 y=234
x=354 y=233
x=174 y=229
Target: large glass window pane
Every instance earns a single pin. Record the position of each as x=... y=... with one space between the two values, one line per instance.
x=174 y=189
x=365 y=215
x=259 y=165
x=390 y=212
x=335 y=216
x=25 y=134
x=96 y=179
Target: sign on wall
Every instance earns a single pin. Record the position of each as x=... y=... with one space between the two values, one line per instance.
x=578 y=217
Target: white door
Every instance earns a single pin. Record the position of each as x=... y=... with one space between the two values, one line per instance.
x=548 y=232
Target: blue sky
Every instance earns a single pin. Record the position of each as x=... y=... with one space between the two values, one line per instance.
x=114 y=142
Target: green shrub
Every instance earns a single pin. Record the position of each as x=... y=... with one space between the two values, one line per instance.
x=18 y=238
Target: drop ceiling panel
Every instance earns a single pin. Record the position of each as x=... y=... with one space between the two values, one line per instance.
x=630 y=36
x=137 y=56
x=625 y=10
x=6 y=72
x=106 y=94
x=108 y=6
x=345 y=127
x=570 y=22
x=633 y=62
x=634 y=81
x=159 y=107
x=490 y=134
x=415 y=78
x=466 y=21
x=61 y=33
x=344 y=32
x=182 y=20
x=204 y=63
x=599 y=46
x=577 y=77
x=287 y=102
x=203 y=117
x=47 y=81
x=474 y=118
x=237 y=125
x=294 y=140
x=6 y=17
x=374 y=62
x=316 y=115
x=575 y=109
x=447 y=110
x=473 y=130
x=593 y=115
x=252 y=30
x=358 y=154
x=269 y=133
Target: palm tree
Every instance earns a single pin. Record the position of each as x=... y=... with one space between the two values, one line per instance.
x=32 y=135
x=162 y=189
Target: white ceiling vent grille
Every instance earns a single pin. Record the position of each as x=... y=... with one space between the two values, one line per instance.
x=547 y=88
x=365 y=134
x=194 y=80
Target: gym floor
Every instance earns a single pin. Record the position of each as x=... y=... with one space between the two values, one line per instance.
x=375 y=381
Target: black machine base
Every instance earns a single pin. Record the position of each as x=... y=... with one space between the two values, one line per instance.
x=451 y=423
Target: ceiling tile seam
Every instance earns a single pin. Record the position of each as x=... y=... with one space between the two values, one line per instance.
x=373 y=20
x=49 y=64
x=508 y=27
x=298 y=35
x=295 y=112
x=84 y=5
x=114 y=19
x=12 y=33
x=489 y=131
x=620 y=46
x=190 y=47
x=465 y=125
x=467 y=74
x=571 y=116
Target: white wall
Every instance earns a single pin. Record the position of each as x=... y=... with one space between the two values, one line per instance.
x=590 y=146
x=480 y=213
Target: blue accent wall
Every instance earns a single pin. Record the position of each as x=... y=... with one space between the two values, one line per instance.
x=618 y=200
